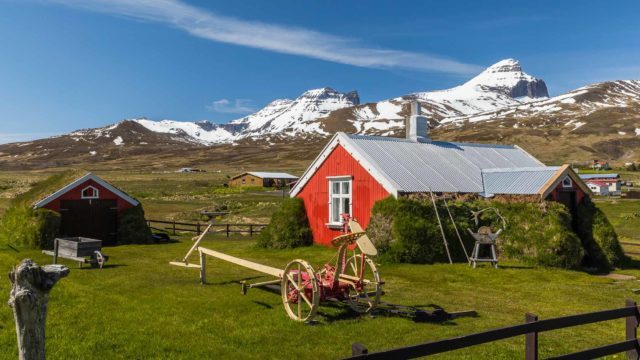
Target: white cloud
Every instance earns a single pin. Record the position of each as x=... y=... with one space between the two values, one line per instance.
x=238 y=106
x=283 y=39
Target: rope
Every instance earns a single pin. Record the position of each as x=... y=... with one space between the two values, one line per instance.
x=444 y=238
x=456 y=228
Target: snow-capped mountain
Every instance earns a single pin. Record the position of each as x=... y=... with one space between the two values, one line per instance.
x=319 y=111
x=501 y=104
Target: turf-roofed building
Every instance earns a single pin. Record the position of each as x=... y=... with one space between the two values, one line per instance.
x=354 y=171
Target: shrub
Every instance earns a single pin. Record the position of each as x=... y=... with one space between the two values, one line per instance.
x=132 y=227
x=289 y=227
x=599 y=238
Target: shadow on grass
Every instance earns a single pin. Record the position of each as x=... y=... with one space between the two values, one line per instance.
x=236 y=281
x=105 y=266
x=523 y=267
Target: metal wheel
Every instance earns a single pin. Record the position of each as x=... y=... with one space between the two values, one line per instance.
x=99 y=259
x=300 y=293
x=364 y=295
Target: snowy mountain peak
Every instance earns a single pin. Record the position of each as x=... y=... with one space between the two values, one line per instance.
x=327 y=93
x=506 y=76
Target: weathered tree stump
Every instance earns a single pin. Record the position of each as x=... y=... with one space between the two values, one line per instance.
x=29 y=297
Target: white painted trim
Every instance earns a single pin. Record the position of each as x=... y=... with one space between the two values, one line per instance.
x=368 y=164
x=570 y=182
x=96 y=193
x=74 y=184
x=340 y=177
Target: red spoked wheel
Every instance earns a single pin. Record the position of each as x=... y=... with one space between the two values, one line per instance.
x=300 y=293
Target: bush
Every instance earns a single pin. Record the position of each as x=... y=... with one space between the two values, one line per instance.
x=599 y=238
x=406 y=230
x=132 y=227
x=289 y=227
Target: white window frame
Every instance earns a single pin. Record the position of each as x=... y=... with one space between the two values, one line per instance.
x=569 y=185
x=96 y=193
x=341 y=179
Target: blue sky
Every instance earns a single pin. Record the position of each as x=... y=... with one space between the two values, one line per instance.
x=70 y=64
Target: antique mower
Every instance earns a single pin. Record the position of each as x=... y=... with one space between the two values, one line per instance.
x=353 y=278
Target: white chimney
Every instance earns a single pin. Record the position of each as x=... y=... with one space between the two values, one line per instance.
x=417 y=127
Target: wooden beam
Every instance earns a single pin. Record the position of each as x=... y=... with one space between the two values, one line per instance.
x=245 y=263
x=196 y=244
x=180 y=263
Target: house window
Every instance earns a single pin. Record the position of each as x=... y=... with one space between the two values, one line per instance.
x=244 y=181
x=339 y=199
x=567 y=183
x=89 y=193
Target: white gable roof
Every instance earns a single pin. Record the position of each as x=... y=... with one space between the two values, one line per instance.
x=272 y=175
x=75 y=183
x=405 y=166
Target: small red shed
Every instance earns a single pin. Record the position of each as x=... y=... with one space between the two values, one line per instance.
x=89 y=207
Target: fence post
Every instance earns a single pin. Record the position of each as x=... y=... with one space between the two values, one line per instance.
x=250 y=230
x=174 y=227
x=198 y=228
x=358 y=349
x=227 y=229
x=531 y=339
x=632 y=329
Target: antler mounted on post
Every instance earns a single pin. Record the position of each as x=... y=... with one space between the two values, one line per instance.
x=30 y=286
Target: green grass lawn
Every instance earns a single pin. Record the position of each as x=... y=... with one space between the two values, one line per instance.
x=139 y=307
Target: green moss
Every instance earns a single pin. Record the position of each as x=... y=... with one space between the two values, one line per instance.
x=407 y=230
x=132 y=227
x=25 y=227
x=289 y=227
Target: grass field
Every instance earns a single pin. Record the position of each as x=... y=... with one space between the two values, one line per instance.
x=139 y=307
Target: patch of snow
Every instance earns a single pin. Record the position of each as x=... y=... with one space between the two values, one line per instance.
x=622 y=133
x=93 y=152
x=118 y=141
x=637 y=131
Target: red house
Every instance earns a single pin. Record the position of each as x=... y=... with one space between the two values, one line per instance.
x=89 y=207
x=354 y=171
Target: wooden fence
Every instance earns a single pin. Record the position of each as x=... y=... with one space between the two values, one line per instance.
x=635 y=247
x=530 y=330
x=174 y=227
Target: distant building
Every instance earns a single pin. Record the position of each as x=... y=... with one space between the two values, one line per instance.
x=263 y=179
x=189 y=170
x=355 y=171
x=610 y=181
x=598 y=188
x=600 y=165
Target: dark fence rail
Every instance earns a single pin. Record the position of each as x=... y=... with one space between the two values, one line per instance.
x=530 y=330
x=198 y=228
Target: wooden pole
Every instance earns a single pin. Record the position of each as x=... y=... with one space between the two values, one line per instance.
x=30 y=286
x=56 y=245
x=250 y=230
x=203 y=267
x=227 y=230
x=174 y=227
x=198 y=228
x=531 y=339
x=631 y=330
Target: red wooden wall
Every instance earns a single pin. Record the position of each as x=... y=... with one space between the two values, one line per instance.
x=580 y=195
x=315 y=194
x=75 y=194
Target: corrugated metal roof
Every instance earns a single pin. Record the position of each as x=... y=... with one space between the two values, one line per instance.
x=599 y=176
x=272 y=175
x=437 y=166
x=520 y=181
